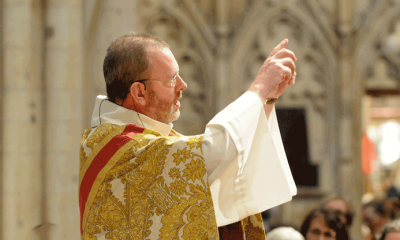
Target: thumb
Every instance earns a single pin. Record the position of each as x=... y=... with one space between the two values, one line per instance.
x=280 y=46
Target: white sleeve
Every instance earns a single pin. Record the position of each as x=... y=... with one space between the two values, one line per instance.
x=246 y=163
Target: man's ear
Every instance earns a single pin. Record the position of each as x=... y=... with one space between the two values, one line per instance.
x=139 y=95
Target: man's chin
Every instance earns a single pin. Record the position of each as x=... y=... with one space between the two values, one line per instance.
x=171 y=117
x=176 y=115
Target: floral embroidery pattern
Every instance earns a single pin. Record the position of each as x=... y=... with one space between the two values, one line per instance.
x=196 y=141
x=99 y=133
x=194 y=170
x=158 y=189
x=144 y=196
x=174 y=173
x=181 y=156
x=253 y=227
x=178 y=187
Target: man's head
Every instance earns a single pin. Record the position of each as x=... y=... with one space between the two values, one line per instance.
x=284 y=233
x=133 y=57
x=375 y=215
x=341 y=206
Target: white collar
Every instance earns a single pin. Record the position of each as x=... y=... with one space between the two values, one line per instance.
x=115 y=114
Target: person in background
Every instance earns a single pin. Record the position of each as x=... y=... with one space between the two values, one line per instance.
x=324 y=224
x=391 y=231
x=377 y=213
x=284 y=233
x=341 y=206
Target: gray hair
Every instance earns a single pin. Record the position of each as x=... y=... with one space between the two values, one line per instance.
x=284 y=233
x=125 y=61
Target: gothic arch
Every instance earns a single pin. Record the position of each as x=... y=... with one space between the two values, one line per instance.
x=374 y=32
x=325 y=23
x=155 y=13
x=320 y=104
x=251 y=25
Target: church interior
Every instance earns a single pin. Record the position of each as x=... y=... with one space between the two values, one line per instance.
x=340 y=122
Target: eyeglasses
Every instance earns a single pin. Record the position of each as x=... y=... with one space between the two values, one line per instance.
x=171 y=82
x=327 y=235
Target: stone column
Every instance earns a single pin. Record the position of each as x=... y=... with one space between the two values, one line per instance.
x=22 y=121
x=1 y=114
x=351 y=185
x=222 y=67
x=63 y=117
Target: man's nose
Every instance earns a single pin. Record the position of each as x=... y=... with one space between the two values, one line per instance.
x=181 y=84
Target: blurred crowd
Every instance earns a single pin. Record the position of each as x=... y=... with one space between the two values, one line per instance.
x=332 y=219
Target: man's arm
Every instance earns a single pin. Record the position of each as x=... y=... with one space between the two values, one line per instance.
x=277 y=72
x=245 y=160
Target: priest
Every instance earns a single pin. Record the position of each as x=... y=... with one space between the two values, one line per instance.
x=140 y=179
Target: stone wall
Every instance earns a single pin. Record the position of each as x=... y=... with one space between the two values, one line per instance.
x=22 y=119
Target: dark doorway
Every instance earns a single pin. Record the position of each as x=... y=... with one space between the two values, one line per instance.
x=292 y=124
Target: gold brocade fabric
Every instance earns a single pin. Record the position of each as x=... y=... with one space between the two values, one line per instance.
x=253 y=227
x=154 y=187
x=250 y=228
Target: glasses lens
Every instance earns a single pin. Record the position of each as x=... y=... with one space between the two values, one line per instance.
x=173 y=81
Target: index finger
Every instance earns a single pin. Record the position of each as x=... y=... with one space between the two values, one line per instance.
x=280 y=46
x=285 y=53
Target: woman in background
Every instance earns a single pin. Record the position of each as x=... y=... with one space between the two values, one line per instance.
x=322 y=223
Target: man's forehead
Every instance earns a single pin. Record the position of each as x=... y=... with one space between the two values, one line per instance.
x=161 y=53
x=161 y=57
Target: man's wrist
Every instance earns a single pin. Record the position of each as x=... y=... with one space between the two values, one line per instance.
x=263 y=91
x=270 y=100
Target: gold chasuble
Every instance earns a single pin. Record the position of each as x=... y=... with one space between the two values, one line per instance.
x=135 y=183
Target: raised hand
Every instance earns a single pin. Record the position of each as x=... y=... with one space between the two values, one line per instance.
x=276 y=73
